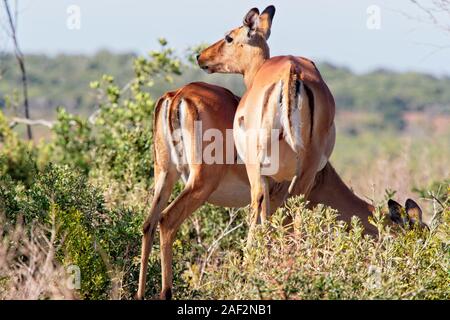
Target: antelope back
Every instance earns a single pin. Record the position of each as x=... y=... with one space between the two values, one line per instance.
x=187 y=120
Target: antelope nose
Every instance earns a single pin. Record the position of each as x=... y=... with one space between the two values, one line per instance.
x=197 y=56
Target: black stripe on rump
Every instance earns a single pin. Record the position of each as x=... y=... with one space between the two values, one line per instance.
x=310 y=95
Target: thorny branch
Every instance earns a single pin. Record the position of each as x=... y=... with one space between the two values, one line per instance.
x=437 y=11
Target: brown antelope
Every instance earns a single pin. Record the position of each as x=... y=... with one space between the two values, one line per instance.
x=221 y=184
x=285 y=95
x=303 y=98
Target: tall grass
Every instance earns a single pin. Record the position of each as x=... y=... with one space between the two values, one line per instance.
x=29 y=269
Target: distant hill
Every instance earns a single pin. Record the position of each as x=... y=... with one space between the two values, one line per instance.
x=64 y=80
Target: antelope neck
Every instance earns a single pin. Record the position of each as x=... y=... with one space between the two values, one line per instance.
x=250 y=72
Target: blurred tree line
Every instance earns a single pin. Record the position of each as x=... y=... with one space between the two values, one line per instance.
x=62 y=80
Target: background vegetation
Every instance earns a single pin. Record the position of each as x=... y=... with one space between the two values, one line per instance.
x=78 y=194
x=61 y=81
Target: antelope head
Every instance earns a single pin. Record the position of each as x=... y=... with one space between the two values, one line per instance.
x=408 y=216
x=241 y=48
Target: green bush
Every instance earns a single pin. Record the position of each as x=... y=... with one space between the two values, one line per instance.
x=18 y=158
x=321 y=259
x=102 y=243
x=53 y=183
x=9 y=205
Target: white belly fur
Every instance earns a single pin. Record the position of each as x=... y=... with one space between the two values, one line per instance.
x=231 y=192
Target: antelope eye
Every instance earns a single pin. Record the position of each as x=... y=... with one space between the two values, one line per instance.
x=228 y=39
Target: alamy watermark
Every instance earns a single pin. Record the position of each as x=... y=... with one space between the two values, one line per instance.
x=73 y=281
x=73 y=21
x=374 y=277
x=213 y=146
x=373 y=21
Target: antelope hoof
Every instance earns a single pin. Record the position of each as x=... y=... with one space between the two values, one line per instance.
x=138 y=296
x=166 y=294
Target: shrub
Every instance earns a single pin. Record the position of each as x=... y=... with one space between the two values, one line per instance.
x=321 y=259
x=83 y=195
x=18 y=158
x=102 y=243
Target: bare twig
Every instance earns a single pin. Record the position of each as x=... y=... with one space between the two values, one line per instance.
x=46 y=123
x=39 y=122
x=426 y=10
x=214 y=245
x=433 y=11
x=49 y=124
x=20 y=60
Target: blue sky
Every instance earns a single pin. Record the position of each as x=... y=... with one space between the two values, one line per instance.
x=335 y=31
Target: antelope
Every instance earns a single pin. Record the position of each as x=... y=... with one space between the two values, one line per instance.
x=291 y=82
x=286 y=95
x=218 y=183
x=221 y=184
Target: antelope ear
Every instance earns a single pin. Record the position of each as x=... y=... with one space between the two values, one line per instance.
x=395 y=211
x=251 y=20
x=265 y=21
x=413 y=210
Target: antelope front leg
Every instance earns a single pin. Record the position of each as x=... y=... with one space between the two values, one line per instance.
x=260 y=205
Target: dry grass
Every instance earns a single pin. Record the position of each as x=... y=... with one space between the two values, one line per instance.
x=28 y=267
x=372 y=163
